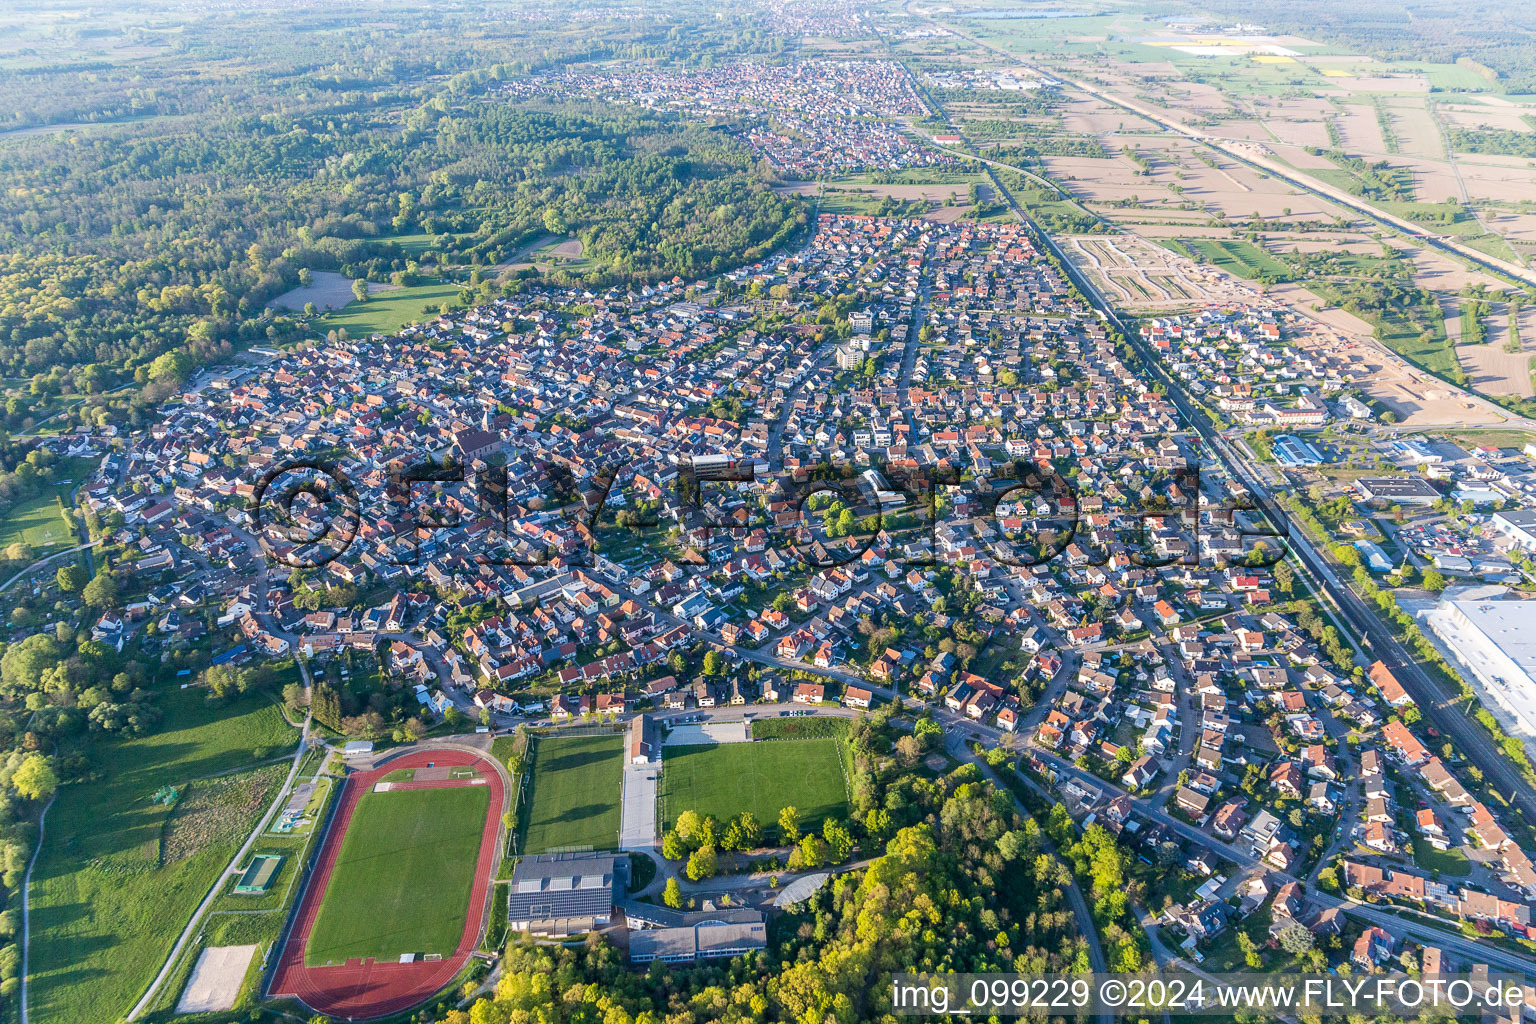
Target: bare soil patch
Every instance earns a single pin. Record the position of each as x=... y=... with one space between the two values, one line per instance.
x=215 y=982
x=1415 y=128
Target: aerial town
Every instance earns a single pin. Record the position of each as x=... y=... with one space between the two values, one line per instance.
x=966 y=577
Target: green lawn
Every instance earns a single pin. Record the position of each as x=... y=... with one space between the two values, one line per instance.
x=1239 y=257
x=1455 y=78
x=38 y=521
x=390 y=311
x=403 y=879
x=1447 y=862
x=241 y=920
x=1493 y=245
x=414 y=244
x=725 y=779
x=858 y=202
x=107 y=900
x=577 y=787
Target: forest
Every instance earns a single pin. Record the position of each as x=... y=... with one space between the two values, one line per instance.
x=144 y=242
x=169 y=225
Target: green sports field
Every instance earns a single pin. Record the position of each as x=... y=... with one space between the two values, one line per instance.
x=403 y=878
x=577 y=786
x=725 y=779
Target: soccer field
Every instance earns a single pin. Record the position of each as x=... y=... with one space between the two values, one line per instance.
x=577 y=783
x=402 y=881
x=725 y=779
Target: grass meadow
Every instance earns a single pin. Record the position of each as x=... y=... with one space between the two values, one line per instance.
x=390 y=311
x=1239 y=257
x=118 y=875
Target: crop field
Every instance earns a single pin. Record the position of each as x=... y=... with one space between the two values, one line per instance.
x=403 y=879
x=725 y=779
x=118 y=874
x=576 y=793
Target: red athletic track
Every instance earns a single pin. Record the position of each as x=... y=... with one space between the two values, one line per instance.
x=362 y=989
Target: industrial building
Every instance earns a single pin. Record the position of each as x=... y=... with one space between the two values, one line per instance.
x=678 y=936
x=1496 y=642
x=1291 y=451
x=1375 y=558
x=698 y=942
x=1519 y=525
x=1397 y=490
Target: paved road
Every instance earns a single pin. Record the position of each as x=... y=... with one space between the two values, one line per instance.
x=775 y=453
x=1074 y=892
x=1468 y=949
x=44 y=560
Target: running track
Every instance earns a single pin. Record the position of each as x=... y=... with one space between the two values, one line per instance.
x=359 y=989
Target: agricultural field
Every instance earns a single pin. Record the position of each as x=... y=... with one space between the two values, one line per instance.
x=576 y=792
x=763 y=777
x=118 y=874
x=403 y=879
